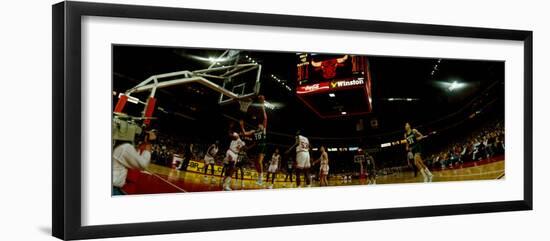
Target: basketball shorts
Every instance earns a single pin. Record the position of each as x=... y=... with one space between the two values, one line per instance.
x=261 y=149
x=272 y=168
x=302 y=160
x=371 y=172
x=208 y=160
x=416 y=149
x=231 y=156
x=324 y=169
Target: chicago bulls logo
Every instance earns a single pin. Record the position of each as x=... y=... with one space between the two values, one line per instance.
x=328 y=67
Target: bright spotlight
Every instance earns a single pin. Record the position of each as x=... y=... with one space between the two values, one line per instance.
x=455 y=85
x=332 y=95
x=215 y=60
x=344 y=113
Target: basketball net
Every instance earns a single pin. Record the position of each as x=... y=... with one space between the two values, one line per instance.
x=245 y=103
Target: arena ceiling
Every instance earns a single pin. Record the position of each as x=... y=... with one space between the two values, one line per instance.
x=426 y=92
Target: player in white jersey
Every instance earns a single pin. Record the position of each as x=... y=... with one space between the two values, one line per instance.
x=324 y=167
x=209 y=158
x=274 y=164
x=231 y=156
x=302 y=158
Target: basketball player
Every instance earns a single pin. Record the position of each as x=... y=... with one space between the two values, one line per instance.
x=125 y=156
x=260 y=137
x=323 y=169
x=230 y=131
x=209 y=159
x=239 y=165
x=359 y=158
x=232 y=155
x=273 y=167
x=187 y=156
x=371 y=168
x=302 y=158
x=412 y=144
x=410 y=161
x=225 y=165
x=289 y=170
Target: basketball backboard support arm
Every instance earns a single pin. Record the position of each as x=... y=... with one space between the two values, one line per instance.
x=200 y=77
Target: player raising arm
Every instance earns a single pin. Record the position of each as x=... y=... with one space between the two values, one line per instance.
x=412 y=144
x=259 y=136
x=231 y=156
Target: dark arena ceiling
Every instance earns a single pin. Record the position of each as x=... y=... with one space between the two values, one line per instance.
x=430 y=93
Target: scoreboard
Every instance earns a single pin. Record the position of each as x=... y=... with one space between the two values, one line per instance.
x=337 y=75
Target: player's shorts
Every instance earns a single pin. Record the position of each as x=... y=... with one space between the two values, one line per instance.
x=231 y=156
x=302 y=160
x=410 y=156
x=371 y=172
x=240 y=164
x=272 y=168
x=261 y=149
x=324 y=169
x=209 y=160
x=416 y=149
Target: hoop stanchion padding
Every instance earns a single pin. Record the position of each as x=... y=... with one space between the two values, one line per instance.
x=121 y=103
x=149 y=110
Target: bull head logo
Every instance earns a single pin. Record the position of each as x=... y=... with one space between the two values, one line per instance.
x=328 y=67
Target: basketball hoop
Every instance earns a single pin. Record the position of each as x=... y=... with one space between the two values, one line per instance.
x=245 y=103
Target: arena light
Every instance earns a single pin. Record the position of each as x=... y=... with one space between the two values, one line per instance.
x=269 y=105
x=344 y=113
x=385 y=145
x=455 y=85
x=354 y=148
x=407 y=99
x=436 y=67
x=209 y=59
x=217 y=60
x=332 y=95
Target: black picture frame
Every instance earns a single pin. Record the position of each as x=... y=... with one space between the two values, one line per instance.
x=66 y=127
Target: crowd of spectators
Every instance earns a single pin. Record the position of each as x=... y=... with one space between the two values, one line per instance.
x=166 y=147
x=483 y=144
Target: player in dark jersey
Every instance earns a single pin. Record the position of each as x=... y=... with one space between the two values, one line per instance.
x=410 y=163
x=242 y=159
x=412 y=138
x=260 y=138
x=289 y=170
x=371 y=168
